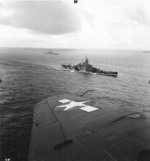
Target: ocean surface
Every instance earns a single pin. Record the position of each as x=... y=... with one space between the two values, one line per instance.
x=28 y=76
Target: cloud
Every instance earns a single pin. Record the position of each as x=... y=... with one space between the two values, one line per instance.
x=139 y=13
x=98 y=23
x=46 y=17
x=140 y=16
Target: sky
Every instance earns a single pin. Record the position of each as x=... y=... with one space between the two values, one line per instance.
x=106 y=24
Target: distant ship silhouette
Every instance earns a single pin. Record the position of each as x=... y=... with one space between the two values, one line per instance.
x=146 y=51
x=50 y=52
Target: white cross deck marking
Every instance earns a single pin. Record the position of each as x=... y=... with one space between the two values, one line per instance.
x=89 y=108
x=72 y=104
x=64 y=101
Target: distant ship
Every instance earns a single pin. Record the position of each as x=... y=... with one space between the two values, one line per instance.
x=50 y=52
x=86 y=67
x=146 y=51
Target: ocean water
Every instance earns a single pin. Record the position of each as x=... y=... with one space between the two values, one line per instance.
x=28 y=76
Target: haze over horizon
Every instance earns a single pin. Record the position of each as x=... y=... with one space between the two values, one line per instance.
x=110 y=24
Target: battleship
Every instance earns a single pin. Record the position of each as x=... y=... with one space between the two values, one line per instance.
x=86 y=67
x=146 y=51
x=50 y=52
